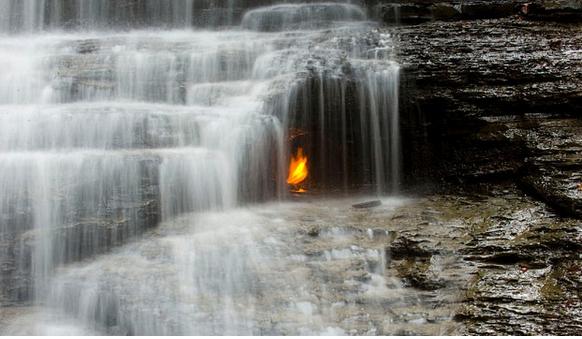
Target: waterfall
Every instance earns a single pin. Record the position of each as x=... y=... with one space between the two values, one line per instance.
x=119 y=117
x=287 y=16
x=36 y=15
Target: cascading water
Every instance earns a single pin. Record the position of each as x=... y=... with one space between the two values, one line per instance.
x=36 y=15
x=110 y=127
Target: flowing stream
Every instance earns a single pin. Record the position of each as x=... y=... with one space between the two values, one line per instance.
x=144 y=150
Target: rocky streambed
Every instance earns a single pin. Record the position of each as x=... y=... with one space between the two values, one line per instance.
x=487 y=260
x=522 y=260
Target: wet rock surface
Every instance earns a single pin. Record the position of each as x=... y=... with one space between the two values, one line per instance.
x=420 y=11
x=553 y=167
x=494 y=67
x=486 y=259
x=517 y=263
x=527 y=271
x=495 y=99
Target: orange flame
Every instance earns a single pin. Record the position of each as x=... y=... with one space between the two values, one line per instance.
x=298 y=170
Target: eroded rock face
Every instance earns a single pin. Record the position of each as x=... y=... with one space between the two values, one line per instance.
x=528 y=277
x=555 y=10
x=494 y=67
x=495 y=99
x=554 y=164
x=476 y=89
x=515 y=263
x=419 y=11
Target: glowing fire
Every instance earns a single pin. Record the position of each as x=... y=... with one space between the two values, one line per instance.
x=298 y=170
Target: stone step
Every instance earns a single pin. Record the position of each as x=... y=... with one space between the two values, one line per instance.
x=142 y=66
x=300 y=16
x=117 y=125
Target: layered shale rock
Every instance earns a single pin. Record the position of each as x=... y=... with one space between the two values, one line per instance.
x=419 y=11
x=498 y=100
x=477 y=91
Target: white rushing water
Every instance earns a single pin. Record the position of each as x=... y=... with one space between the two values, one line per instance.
x=238 y=272
x=115 y=120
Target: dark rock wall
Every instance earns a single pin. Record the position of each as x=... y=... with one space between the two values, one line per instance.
x=417 y=11
x=483 y=99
